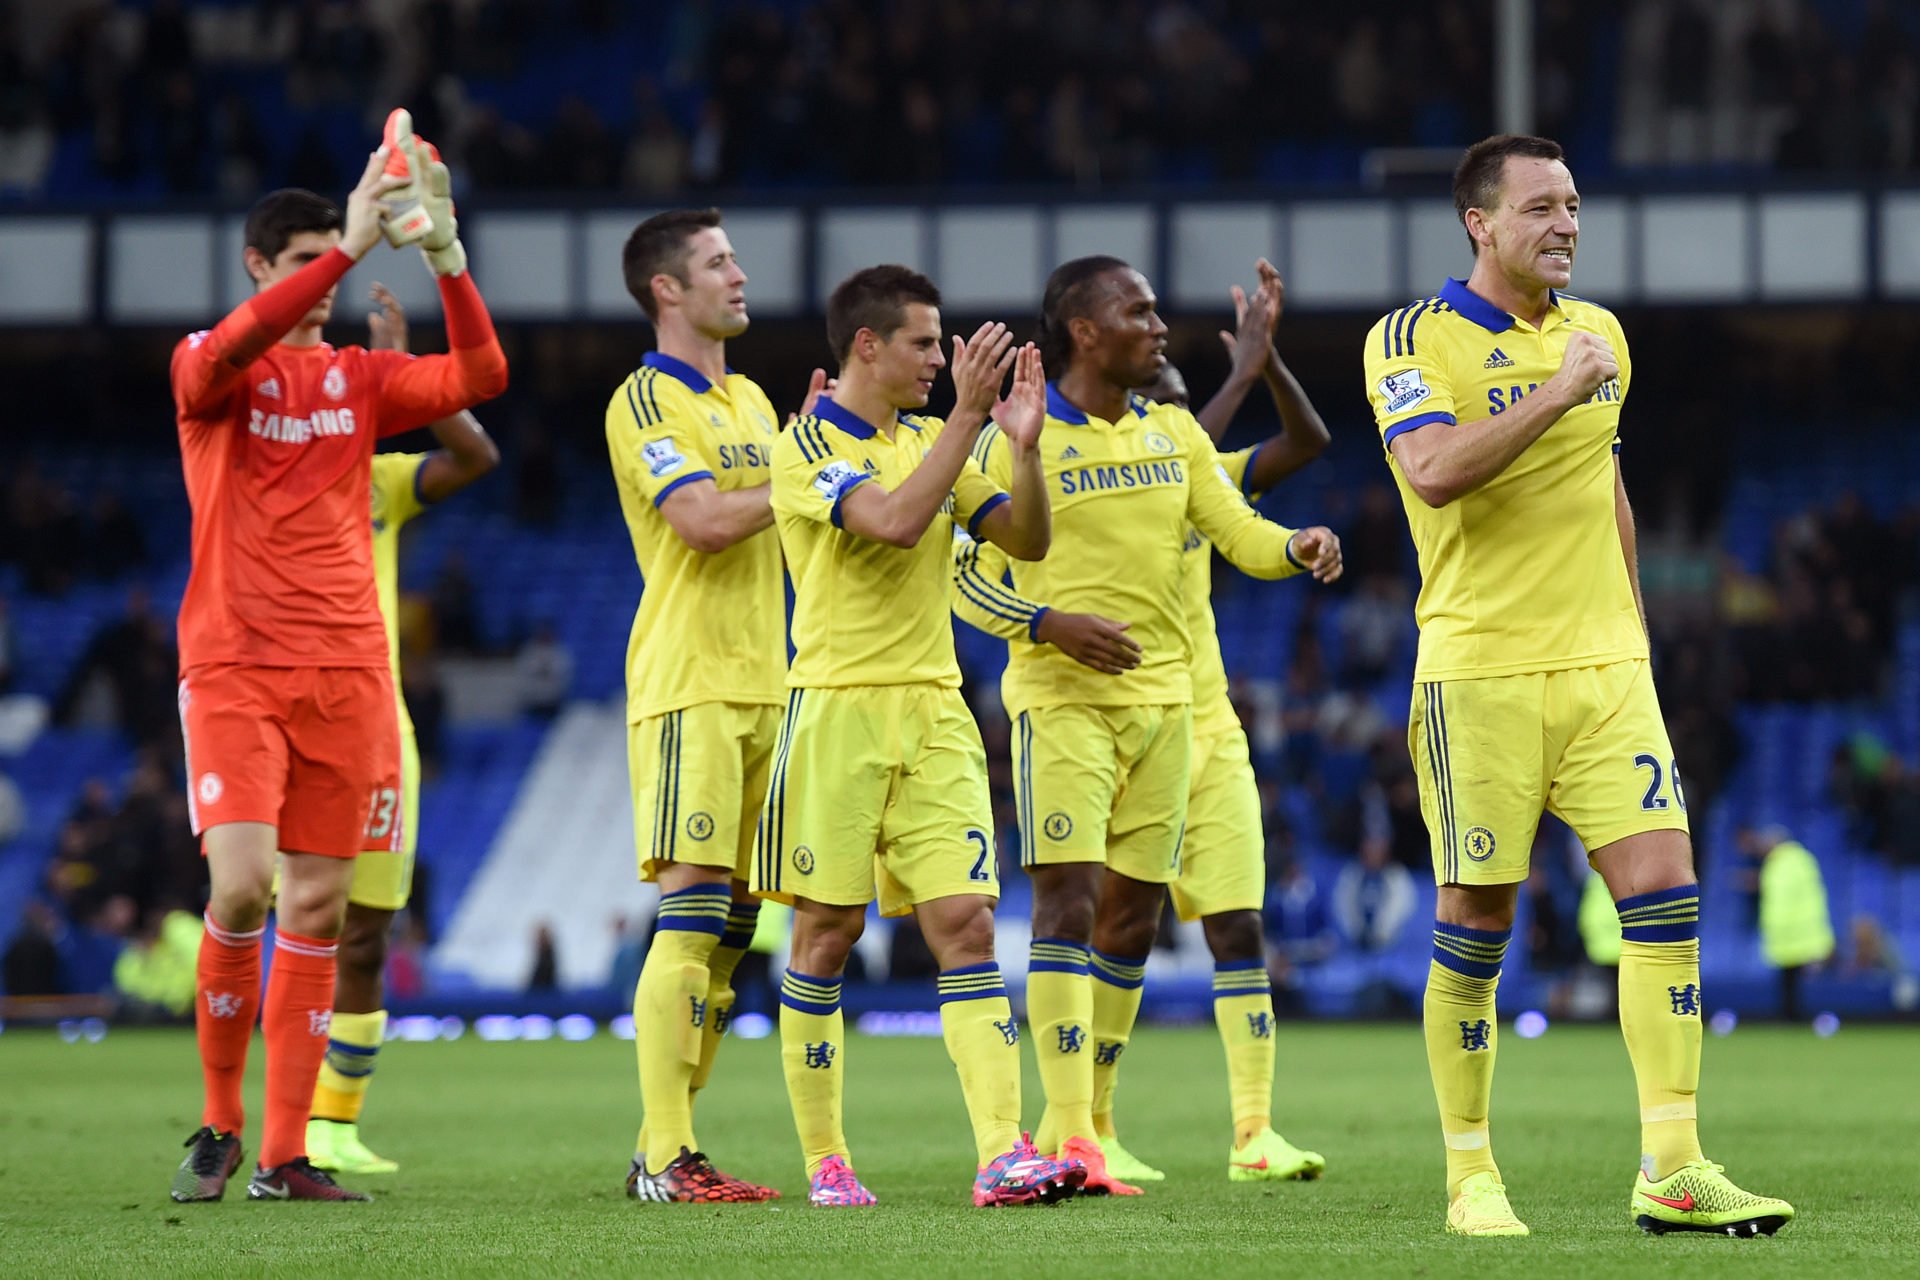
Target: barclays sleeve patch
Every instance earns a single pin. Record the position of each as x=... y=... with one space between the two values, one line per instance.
x=1403 y=390
x=834 y=478
x=663 y=459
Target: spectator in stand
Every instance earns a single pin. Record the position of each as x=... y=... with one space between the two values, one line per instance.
x=1373 y=898
x=42 y=528
x=427 y=701
x=1553 y=941
x=115 y=542
x=1299 y=933
x=135 y=655
x=456 y=609
x=545 y=974
x=1796 y=932
x=1873 y=951
x=31 y=966
x=155 y=971
x=544 y=668
x=536 y=478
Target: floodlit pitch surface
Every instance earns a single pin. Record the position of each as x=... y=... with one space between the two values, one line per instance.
x=512 y=1157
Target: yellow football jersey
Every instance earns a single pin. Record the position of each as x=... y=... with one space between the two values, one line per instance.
x=1124 y=496
x=865 y=613
x=1525 y=573
x=1212 y=708
x=396 y=500
x=982 y=598
x=711 y=627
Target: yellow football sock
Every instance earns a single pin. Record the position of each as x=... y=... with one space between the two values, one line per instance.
x=1660 y=1017
x=1243 y=1010
x=1462 y=1035
x=812 y=1033
x=741 y=920
x=1060 y=1011
x=984 y=1042
x=670 y=1016
x=352 y=1044
x=1117 y=983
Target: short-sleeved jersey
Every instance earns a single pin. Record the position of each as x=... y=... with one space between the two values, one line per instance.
x=276 y=467
x=866 y=613
x=396 y=500
x=1124 y=496
x=1525 y=573
x=711 y=626
x=983 y=598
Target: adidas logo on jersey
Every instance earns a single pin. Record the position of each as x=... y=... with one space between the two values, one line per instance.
x=1499 y=360
x=269 y=390
x=1069 y=452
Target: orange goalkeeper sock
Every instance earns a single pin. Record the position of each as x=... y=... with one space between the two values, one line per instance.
x=297 y=1017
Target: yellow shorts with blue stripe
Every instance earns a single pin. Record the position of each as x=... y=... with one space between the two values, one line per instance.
x=1104 y=784
x=382 y=878
x=699 y=778
x=1588 y=745
x=1223 y=860
x=877 y=791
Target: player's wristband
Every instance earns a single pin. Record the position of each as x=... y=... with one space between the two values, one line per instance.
x=1033 y=623
x=1288 y=548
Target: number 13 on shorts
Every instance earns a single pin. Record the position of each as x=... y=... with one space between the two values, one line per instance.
x=383 y=819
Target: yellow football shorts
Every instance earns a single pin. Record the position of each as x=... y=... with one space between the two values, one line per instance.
x=1223 y=860
x=882 y=788
x=699 y=777
x=1587 y=745
x=383 y=879
x=1103 y=784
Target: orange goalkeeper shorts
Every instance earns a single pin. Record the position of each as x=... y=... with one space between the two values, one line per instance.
x=314 y=751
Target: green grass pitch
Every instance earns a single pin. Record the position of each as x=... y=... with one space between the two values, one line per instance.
x=512 y=1157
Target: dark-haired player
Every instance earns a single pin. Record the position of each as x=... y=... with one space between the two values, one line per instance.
x=1102 y=757
x=1222 y=878
x=1498 y=401
x=404 y=485
x=880 y=779
x=286 y=699
x=692 y=447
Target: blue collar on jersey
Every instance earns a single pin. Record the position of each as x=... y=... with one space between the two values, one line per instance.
x=1058 y=406
x=1477 y=309
x=696 y=381
x=852 y=423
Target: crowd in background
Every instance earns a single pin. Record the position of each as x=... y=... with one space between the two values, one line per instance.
x=1327 y=729
x=160 y=97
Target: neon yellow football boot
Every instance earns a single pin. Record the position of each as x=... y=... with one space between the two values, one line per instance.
x=1698 y=1196
x=1481 y=1209
x=1268 y=1157
x=1126 y=1166
x=336 y=1147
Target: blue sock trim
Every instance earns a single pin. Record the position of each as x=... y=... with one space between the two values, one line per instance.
x=1665 y=915
x=700 y=893
x=971 y=982
x=1472 y=953
x=1118 y=971
x=700 y=908
x=1240 y=978
x=810 y=995
x=1057 y=955
x=743 y=918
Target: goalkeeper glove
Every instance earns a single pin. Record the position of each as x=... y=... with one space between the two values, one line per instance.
x=407 y=219
x=441 y=245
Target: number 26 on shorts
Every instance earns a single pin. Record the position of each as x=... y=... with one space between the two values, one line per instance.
x=1653 y=799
